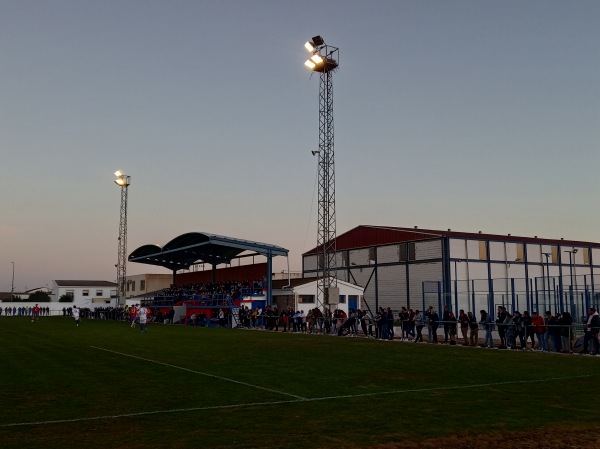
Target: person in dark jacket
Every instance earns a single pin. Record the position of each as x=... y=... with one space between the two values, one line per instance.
x=592 y=327
x=529 y=333
x=553 y=332
x=434 y=322
x=446 y=322
x=565 y=321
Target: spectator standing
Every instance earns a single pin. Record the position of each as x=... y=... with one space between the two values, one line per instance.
x=529 y=333
x=592 y=326
x=451 y=323
x=565 y=321
x=434 y=322
x=420 y=323
x=446 y=322
x=553 y=331
x=463 y=319
x=500 y=318
x=473 y=329
x=488 y=324
x=537 y=322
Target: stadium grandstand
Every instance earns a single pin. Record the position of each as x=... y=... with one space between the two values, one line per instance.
x=192 y=293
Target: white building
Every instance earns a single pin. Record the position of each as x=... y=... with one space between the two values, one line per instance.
x=86 y=293
x=300 y=294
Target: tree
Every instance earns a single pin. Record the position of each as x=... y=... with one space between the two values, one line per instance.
x=66 y=298
x=39 y=296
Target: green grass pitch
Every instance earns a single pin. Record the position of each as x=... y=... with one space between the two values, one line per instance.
x=106 y=385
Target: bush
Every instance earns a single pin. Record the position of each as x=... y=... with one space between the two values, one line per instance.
x=39 y=297
x=65 y=298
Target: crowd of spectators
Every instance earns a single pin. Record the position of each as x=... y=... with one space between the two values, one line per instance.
x=211 y=291
x=504 y=330
x=24 y=311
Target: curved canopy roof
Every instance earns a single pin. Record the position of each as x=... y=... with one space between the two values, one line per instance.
x=196 y=247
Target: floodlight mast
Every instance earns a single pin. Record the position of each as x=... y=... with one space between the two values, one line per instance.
x=122 y=181
x=324 y=60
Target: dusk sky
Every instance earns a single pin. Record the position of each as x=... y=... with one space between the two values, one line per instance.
x=470 y=115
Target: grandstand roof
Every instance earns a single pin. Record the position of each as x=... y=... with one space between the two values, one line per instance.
x=195 y=247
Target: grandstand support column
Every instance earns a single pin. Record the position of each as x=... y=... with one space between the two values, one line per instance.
x=270 y=278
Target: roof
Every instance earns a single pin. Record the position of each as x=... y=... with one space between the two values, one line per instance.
x=365 y=236
x=279 y=284
x=63 y=283
x=194 y=247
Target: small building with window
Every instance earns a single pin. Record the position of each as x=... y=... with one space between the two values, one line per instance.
x=300 y=294
x=140 y=284
x=416 y=267
x=85 y=293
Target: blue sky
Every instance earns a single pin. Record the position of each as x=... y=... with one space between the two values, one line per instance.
x=470 y=115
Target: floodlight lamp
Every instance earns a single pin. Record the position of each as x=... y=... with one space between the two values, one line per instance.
x=316 y=59
x=309 y=47
x=310 y=64
x=317 y=40
x=118 y=173
x=120 y=182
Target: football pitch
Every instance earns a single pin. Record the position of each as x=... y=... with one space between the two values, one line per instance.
x=104 y=384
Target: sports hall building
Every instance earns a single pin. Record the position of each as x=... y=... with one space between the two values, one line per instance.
x=416 y=267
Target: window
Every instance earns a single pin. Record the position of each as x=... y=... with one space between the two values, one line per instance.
x=306 y=299
x=554 y=254
x=99 y=293
x=85 y=293
x=482 y=250
x=412 y=251
x=520 y=252
x=586 y=256
x=342 y=299
x=142 y=285
x=402 y=252
x=372 y=255
x=132 y=286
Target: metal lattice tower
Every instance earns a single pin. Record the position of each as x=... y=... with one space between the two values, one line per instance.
x=123 y=181
x=325 y=61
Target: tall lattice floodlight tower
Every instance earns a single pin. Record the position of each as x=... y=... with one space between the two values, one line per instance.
x=324 y=60
x=122 y=181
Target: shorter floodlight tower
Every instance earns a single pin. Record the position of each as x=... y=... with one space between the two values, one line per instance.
x=122 y=181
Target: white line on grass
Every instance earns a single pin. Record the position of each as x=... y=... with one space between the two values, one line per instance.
x=256 y=404
x=201 y=373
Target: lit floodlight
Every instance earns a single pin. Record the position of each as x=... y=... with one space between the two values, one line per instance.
x=310 y=64
x=309 y=46
x=122 y=179
x=316 y=59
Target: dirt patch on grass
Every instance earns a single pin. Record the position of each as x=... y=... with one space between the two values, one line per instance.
x=547 y=438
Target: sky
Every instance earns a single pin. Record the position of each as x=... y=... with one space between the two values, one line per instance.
x=462 y=114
